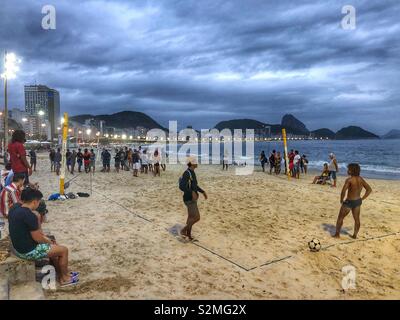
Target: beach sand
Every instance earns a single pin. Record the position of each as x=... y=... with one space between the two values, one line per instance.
x=121 y=238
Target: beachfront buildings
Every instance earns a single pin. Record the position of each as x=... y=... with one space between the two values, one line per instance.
x=33 y=125
x=44 y=102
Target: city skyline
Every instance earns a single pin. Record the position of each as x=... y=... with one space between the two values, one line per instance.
x=204 y=62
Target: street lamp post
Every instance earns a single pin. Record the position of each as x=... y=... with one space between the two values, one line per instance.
x=10 y=68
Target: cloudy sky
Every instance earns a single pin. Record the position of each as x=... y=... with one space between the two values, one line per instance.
x=203 y=61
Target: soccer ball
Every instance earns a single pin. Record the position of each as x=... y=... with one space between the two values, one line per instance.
x=314 y=245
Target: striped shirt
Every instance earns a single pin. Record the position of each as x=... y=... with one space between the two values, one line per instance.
x=9 y=196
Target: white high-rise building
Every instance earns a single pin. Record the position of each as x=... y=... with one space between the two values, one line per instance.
x=44 y=102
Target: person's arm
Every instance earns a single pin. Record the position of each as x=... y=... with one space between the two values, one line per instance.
x=22 y=156
x=336 y=165
x=367 y=188
x=39 y=237
x=345 y=188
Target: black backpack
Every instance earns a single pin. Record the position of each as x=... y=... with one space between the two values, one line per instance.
x=181 y=186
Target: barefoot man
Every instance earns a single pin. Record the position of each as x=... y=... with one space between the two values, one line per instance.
x=188 y=184
x=354 y=185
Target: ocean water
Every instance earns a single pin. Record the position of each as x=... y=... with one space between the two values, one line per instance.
x=377 y=158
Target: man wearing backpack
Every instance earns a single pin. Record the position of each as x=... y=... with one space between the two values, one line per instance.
x=188 y=184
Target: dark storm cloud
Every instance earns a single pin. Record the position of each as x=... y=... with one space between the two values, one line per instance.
x=219 y=59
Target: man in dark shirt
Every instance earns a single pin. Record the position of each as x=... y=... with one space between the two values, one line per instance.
x=29 y=241
x=188 y=184
x=79 y=157
x=52 y=155
x=32 y=155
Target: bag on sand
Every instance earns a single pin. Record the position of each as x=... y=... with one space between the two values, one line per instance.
x=180 y=183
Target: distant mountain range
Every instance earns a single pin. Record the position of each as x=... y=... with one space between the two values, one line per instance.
x=122 y=120
x=393 y=134
x=293 y=126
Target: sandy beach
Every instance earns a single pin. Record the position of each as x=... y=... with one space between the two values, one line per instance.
x=252 y=238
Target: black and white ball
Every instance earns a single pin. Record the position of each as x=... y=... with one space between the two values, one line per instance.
x=314 y=245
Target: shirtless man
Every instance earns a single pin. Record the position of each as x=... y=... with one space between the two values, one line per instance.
x=353 y=185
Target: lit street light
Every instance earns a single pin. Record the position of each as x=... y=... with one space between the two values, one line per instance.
x=11 y=68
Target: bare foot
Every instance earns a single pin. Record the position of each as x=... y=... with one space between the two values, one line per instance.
x=354 y=236
x=183 y=233
x=337 y=236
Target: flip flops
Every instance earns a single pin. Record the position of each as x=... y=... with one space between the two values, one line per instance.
x=73 y=281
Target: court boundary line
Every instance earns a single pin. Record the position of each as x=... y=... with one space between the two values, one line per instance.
x=231 y=261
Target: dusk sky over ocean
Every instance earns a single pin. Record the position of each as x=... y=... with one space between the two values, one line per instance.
x=200 y=62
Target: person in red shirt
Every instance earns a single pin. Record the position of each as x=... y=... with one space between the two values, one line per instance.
x=86 y=160
x=17 y=152
x=11 y=195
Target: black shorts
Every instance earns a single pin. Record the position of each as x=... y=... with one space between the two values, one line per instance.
x=352 y=204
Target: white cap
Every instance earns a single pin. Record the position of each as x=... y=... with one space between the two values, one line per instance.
x=191 y=159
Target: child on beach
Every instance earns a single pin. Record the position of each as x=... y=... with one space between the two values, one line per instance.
x=353 y=185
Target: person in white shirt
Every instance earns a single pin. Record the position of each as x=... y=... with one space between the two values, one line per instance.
x=296 y=165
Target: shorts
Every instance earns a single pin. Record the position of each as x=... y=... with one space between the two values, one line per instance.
x=193 y=210
x=92 y=164
x=352 y=204
x=332 y=174
x=41 y=251
x=136 y=166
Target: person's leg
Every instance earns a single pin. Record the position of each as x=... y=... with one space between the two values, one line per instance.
x=357 y=223
x=59 y=254
x=344 y=211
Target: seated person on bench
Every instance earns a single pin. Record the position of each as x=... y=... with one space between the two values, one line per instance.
x=31 y=244
x=11 y=194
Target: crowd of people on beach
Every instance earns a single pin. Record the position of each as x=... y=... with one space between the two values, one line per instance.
x=297 y=164
x=23 y=208
x=139 y=160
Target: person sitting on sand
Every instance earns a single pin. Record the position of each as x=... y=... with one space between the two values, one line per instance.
x=188 y=184
x=324 y=177
x=11 y=194
x=354 y=186
x=28 y=240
